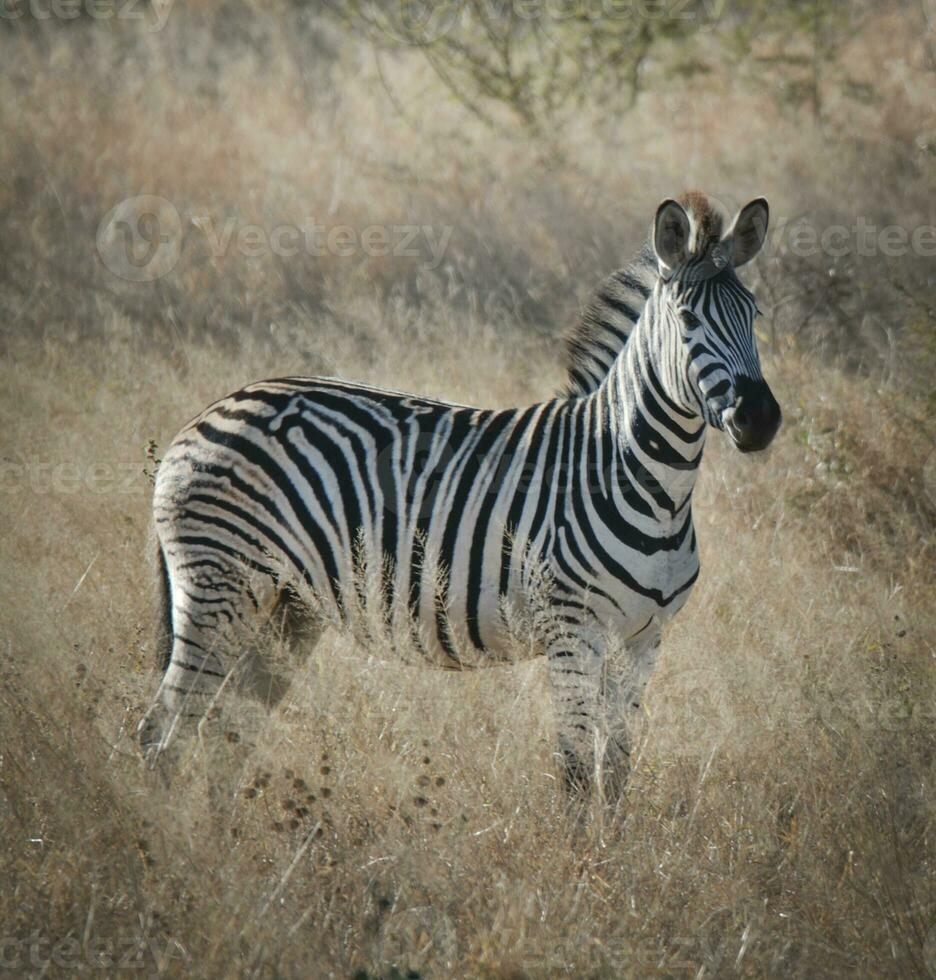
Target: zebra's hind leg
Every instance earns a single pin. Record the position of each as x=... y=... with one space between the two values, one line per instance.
x=292 y=629
x=263 y=674
x=215 y=612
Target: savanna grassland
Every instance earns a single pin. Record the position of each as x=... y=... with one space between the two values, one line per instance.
x=387 y=821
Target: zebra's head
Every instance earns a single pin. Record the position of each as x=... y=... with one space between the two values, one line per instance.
x=705 y=317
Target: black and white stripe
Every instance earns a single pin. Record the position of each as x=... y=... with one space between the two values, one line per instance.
x=447 y=521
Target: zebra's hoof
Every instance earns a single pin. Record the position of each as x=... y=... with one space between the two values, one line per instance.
x=577 y=776
x=152 y=738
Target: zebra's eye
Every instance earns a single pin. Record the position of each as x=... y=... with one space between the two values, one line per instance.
x=689 y=319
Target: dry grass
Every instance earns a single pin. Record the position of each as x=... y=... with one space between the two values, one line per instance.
x=386 y=819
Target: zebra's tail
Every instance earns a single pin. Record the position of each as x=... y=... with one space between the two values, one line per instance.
x=164 y=635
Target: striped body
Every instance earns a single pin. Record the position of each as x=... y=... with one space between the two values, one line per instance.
x=316 y=480
x=450 y=525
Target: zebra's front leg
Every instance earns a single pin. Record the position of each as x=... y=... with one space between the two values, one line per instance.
x=626 y=673
x=575 y=666
x=597 y=692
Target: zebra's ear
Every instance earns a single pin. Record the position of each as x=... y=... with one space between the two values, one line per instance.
x=670 y=236
x=748 y=231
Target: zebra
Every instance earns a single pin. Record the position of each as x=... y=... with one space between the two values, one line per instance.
x=283 y=496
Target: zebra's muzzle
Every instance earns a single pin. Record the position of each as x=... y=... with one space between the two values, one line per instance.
x=754 y=417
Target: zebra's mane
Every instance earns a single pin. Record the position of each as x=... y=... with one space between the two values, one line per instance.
x=609 y=317
x=606 y=322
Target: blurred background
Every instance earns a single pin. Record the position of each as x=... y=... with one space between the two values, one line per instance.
x=194 y=195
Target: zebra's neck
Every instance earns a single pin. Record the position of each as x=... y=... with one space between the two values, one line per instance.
x=658 y=441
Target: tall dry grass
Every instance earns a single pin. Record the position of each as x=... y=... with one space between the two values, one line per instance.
x=387 y=821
